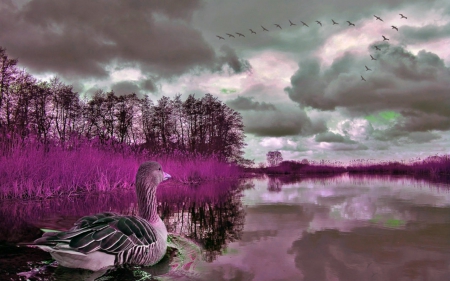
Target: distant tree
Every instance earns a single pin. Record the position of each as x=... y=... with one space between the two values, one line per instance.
x=305 y=161
x=274 y=158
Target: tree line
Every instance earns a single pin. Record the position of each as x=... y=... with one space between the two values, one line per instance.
x=52 y=112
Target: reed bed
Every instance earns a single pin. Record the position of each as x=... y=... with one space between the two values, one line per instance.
x=30 y=172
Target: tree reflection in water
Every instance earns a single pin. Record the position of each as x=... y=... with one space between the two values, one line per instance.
x=211 y=214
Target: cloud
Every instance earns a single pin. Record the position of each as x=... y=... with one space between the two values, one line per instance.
x=79 y=39
x=125 y=87
x=285 y=120
x=243 y=103
x=413 y=86
x=424 y=34
x=332 y=137
x=230 y=58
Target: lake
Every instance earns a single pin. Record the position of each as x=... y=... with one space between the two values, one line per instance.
x=265 y=228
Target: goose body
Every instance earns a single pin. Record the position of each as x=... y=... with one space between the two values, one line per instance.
x=104 y=240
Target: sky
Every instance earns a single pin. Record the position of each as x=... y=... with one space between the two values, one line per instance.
x=298 y=88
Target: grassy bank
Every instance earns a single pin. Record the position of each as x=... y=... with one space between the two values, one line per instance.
x=29 y=172
x=430 y=166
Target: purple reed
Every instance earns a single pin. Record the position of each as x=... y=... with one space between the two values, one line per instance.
x=30 y=171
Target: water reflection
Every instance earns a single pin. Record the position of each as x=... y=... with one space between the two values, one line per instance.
x=210 y=214
x=282 y=228
x=340 y=228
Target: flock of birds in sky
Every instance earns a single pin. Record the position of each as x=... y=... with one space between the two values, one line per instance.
x=319 y=23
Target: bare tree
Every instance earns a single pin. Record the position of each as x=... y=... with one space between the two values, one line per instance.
x=274 y=158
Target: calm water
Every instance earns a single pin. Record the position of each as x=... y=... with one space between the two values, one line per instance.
x=277 y=228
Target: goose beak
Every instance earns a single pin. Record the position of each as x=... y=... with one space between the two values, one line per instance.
x=166 y=176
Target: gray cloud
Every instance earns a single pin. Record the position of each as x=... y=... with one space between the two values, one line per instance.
x=232 y=60
x=79 y=38
x=148 y=85
x=421 y=34
x=289 y=121
x=332 y=137
x=125 y=87
x=414 y=86
x=243 y=103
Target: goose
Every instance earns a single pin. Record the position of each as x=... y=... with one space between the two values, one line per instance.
x=277 y=25
x=403 y=17
x=378 y=18
x=394 y=27
x=376 y=47
x=252 y=31
x=334 y=22
x=220 y=37
x=230 y=35
x=350 y=23
x=367 y=69
x=291 y=23
x=384 y=38
x=318 y=22
x=372 y=57
x=99 y=242
x=305 y=24
x=240 y=34
x=264 y=28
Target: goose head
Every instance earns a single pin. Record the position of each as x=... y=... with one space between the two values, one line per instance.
x=149 y=176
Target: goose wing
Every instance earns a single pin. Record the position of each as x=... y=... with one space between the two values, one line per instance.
x=106 y=232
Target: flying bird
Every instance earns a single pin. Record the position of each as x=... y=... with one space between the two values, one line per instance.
x=264 y=28
x=376 y=47
x=367 y=69
x=402 y=16
x=384 y=38
x=362 y=78
x=305 y=24
x=291 y=23
x=394 y=27
x=334 y=22
x=373 y=57
x=252 y=31
x=318 y=22
x=277 y=25
x=240 y=34
x=349 y=23
x=230 y=35
x=378 y=18
x=220 y=37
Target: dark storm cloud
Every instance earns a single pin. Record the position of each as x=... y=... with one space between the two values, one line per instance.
x=414 y=86
x=421 y=34
x=281 y=122
x=125 y=87
x=230 y=58
x=332 y=137
x=148 y=85
x=79 y=38
x=243 y=103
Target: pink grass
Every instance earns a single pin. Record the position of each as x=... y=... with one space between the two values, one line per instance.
x=29 y=172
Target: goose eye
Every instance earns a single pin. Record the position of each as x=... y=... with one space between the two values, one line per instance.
x=160 y=168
